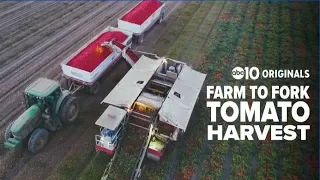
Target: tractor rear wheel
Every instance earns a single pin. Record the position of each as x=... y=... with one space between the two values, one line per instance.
x=7 y=133
x=38 y=140
x=69 y=110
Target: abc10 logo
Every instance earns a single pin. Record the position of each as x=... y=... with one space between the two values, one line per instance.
x=248 y=73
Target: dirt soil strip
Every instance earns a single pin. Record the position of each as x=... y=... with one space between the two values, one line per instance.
x=60 y=43
x=34 y=27
x=11 y=22
x=13 y=8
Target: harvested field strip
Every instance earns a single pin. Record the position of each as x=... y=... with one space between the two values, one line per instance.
x=172 y=34
x=157 y=33
x=190 y=30
x=193 y=50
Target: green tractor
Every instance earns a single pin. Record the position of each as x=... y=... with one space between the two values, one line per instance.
x=49 y=107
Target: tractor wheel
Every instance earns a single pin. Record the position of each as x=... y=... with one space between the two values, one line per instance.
x=94 y=88
x=140 y=39
x=69 y=110
x=161 y=18
x=38 y=140
x=64 y=83
x=7 y=133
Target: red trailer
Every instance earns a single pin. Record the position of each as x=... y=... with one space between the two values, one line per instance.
x=84 y=67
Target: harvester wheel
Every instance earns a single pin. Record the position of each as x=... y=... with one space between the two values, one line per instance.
x=7 y=133
x=69 y=110
x=140 y=39
x=38 y=140
x=94 y=88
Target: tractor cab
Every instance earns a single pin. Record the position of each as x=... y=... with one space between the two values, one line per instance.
x=42 y=91
x=112 y=123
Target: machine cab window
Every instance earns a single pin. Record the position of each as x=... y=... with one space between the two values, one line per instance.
x=111 y=135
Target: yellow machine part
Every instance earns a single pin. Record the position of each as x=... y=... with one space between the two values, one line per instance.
x=156 y=144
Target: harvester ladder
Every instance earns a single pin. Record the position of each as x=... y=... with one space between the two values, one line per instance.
x=137 y=170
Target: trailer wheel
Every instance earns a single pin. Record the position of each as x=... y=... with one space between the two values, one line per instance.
x=7 y=133
x=94 y=88
x=64 y=83
x=69 y=110
x=140 y=39
x=38 y=140
x=161 y=18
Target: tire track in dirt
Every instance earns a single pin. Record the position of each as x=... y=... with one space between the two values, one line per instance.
x=33 y=35
x=7 y=23
x=6 y=5
x=35 y=23
x=23 y=67
x=13 y=8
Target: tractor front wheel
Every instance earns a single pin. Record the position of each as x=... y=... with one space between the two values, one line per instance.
x=38 y=140
x=69 y=110
x=7 y=133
